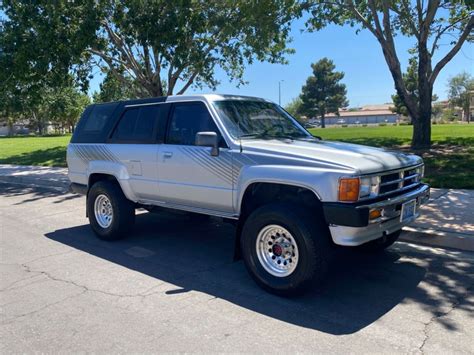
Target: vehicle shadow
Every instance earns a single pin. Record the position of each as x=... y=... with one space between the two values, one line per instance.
x=359 y=290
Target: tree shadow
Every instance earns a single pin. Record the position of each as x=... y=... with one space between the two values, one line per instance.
x=36 y=193
x=55 y=156
x=360 y=289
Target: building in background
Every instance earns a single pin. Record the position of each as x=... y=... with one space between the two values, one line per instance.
x=369 y=114
x=18 y=128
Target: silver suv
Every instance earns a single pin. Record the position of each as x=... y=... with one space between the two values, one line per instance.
x=292 y=196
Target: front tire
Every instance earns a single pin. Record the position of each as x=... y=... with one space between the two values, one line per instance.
x=111 y=215
x=285 y=249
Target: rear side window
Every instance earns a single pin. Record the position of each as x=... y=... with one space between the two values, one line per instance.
x=137 y=125
x=187 y=120
x=98 y=117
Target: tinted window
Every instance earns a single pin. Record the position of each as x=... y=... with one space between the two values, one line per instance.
x=98 y=118
x=187 y=120
x=137 y=124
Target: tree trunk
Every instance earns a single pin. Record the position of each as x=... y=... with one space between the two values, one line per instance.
x=323 y=121
x=422 y=125
x=422 y=121
x=39 y=124
x=10 y=128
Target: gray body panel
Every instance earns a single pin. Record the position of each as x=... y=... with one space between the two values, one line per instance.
x=189 y=178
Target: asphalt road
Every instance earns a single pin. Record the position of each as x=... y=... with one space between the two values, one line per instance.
x=172 y=286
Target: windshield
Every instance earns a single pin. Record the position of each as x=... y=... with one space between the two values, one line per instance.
x=258 y=119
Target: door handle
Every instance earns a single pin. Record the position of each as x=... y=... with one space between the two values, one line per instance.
x=167 y=154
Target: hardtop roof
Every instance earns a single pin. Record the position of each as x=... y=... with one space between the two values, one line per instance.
x=178 y=98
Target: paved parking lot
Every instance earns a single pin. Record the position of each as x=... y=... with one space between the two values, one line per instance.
x=172 y=286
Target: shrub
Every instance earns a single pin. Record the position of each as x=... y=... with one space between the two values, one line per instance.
x=382 y=124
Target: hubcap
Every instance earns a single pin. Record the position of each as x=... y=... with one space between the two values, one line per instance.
x=103 y=211
x=277 y=250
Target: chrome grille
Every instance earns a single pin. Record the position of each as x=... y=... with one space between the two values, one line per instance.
x=399 y=180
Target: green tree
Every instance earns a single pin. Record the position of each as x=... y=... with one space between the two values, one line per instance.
x=410 y=79
x=294 y=108
x=179 y=42
x=426 y=22
x=42 y=105
x=323 y=93
x=65 y=105
x=113 y=89
x=461 y=86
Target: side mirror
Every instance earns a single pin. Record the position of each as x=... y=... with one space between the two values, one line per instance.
x=208 y=139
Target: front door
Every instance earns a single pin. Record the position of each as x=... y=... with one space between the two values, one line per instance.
x=188 y=174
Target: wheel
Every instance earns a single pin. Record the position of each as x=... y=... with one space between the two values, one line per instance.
x=111 y=215
x=380 y=244
x=285 y=249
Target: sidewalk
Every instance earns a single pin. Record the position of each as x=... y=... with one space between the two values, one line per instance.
x=35 y=175
x=447 y=221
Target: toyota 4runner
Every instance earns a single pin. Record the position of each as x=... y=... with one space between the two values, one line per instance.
x=292 y=196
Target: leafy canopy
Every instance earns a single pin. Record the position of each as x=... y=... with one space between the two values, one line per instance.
x=460 y=91
x=179 y=43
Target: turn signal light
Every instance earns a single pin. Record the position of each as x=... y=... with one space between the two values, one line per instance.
x=374 y=214
x=349 y=189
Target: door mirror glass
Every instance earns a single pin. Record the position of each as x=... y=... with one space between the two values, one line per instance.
x=208 y=139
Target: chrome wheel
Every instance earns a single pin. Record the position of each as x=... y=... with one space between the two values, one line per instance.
x=277 y=250
x=103 y=211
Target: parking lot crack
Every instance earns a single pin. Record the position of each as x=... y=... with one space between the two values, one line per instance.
x=440 y=315
x=86 y=288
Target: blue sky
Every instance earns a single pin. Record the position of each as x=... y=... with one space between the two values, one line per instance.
x=367 y=77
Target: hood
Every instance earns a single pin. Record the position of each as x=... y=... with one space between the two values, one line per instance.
x=362 y=159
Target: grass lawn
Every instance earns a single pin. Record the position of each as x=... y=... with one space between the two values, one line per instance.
x=449 y=164
x=46 y=151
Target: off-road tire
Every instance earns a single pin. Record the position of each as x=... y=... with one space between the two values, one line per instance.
x=123 y=211
x=311 y=236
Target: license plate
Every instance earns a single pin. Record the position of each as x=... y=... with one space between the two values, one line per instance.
x=408 y=210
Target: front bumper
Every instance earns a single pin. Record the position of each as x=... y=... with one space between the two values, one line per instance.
x=350 y=225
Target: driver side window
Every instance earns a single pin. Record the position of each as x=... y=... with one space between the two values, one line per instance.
x=186 y=121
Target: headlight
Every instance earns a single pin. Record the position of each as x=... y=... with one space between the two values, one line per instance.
x=421 y=171
x=369 y=186
x=353 y=189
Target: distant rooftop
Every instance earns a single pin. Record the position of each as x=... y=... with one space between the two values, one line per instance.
x=367 y=110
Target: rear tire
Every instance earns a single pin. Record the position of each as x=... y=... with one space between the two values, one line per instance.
x=285 y=249
x=380 y=244
x=111 y=215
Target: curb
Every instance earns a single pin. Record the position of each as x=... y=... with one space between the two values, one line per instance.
x=449 y=240
x=55 y=178
x=49 y=184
